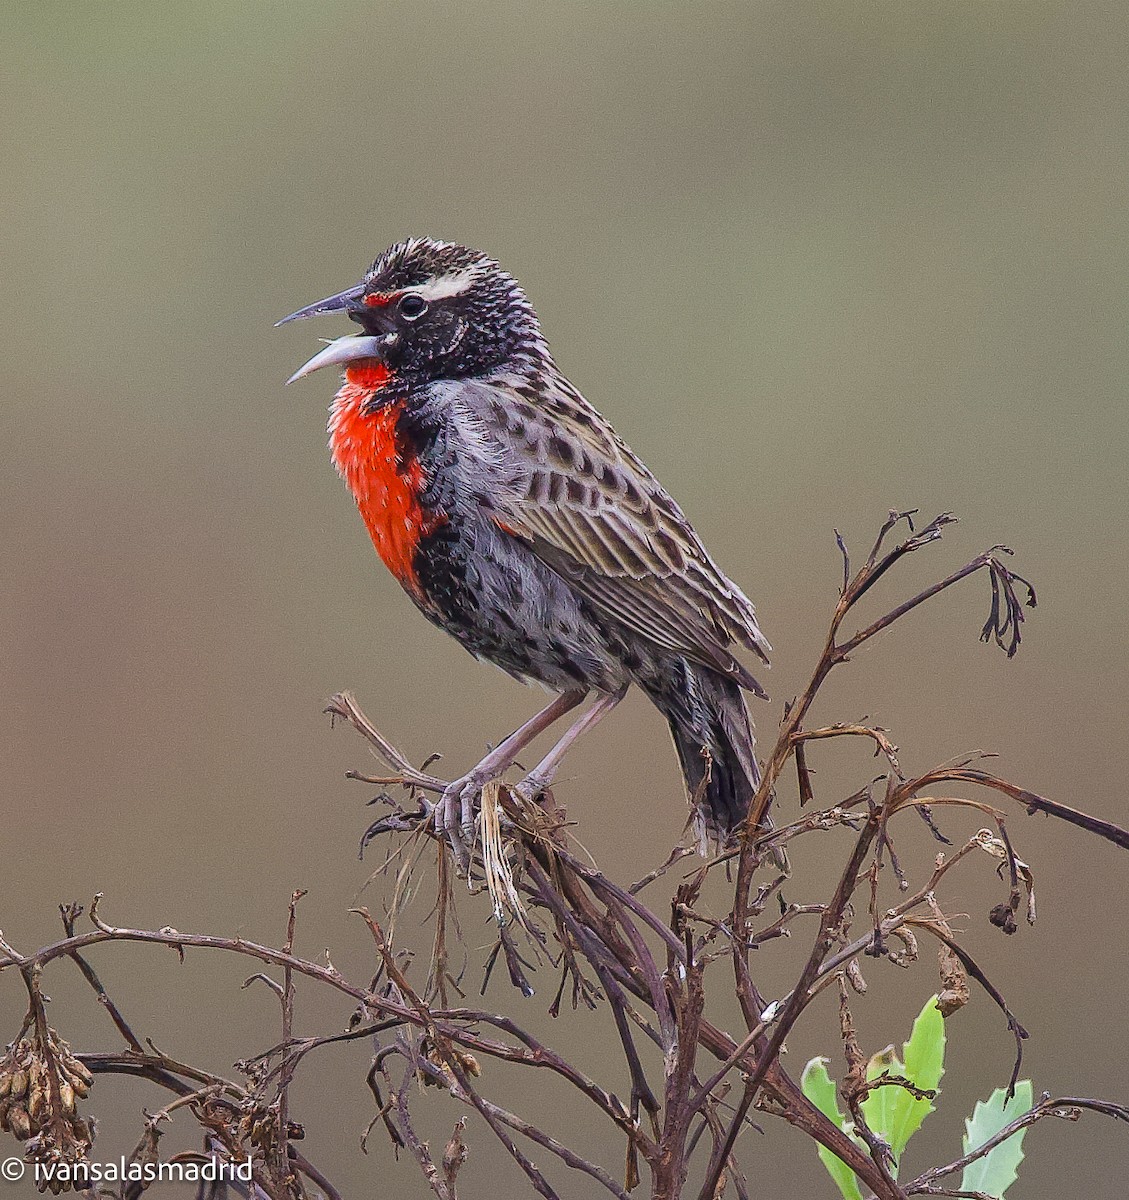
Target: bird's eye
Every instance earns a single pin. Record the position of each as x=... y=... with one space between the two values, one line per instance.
x=412 y=306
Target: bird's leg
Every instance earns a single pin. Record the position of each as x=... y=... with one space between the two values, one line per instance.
x=543 y=774
x=454 y=814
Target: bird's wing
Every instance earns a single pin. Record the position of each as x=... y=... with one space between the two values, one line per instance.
x=591 y=510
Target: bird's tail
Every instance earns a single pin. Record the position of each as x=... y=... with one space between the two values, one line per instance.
x=712 y=734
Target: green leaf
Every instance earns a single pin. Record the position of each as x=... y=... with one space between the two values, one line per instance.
x=925 y=1050
x=891 y=1111
x=999 y=1168
x=819 y=1088
x=924 y=1065
x=883 y=1107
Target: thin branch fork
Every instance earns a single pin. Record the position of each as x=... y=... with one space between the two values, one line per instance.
x=835 y=652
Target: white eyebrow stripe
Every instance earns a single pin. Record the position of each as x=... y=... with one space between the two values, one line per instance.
x=446 y=285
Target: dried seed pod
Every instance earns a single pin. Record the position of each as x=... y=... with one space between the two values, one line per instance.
x=955 y=991
x=37 y=1075
x=855 y=977
x=19 y=1122
x=76 y=1069
x=468 y=1063
x=38 y=1103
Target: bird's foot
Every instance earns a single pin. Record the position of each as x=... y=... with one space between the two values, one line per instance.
x=455 y=815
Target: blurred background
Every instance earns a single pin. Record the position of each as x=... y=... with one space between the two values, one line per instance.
x=814 y=261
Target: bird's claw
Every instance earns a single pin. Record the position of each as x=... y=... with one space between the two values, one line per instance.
x=455 y=817
x=455 y=814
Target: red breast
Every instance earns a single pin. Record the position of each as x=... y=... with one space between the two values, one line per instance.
x=385 y=482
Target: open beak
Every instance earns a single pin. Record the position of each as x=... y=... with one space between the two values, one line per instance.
x=345 y=349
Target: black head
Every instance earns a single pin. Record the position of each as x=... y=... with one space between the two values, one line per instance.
x=434 y=310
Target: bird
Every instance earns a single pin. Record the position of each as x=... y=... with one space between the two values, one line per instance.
x=517 y=520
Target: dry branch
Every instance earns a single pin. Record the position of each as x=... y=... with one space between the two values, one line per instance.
x=645 y=967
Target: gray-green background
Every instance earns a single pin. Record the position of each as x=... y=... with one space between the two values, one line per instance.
x=814 y=261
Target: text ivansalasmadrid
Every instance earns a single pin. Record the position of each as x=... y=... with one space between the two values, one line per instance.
x=86 y=1174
